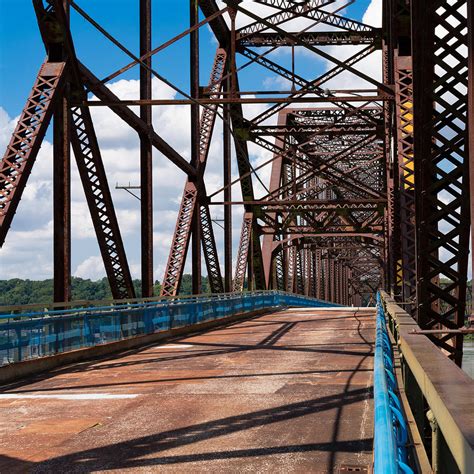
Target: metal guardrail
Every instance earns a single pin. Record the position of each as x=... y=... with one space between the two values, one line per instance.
x=390 y=430
x=439 y=393
x=30 y=335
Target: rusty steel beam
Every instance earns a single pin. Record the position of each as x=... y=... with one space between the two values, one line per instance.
x=315 y=38
x=21 y=153
x=406 y=175
x=146 y=153
x=179 y=248
x=209 y=248
x=470 y=16
x=227 y=172
x=62 y=202
x=285 y=13
x=218 y=25
x=133 y=120
x=182 y=234
x=62 y=190
x=305 y=10
x=195 y=138
x=243 y=252
x=275 y=179
x=94 y=181
x=87 y=153
x=441 y=158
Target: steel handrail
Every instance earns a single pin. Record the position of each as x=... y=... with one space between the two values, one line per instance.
x=390 y=429
x=117 y=305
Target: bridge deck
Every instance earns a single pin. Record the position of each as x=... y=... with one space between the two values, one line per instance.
x=284 y=392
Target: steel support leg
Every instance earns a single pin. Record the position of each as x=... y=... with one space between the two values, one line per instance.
x=146 y=154
x=62 y=202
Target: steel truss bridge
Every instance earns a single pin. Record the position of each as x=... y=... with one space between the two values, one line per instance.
x=369 y=189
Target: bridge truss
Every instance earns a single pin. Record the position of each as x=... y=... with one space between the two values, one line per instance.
x=369 y=186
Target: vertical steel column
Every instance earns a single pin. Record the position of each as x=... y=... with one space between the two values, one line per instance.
x=470 y=121
x=332 y=279
x=284 y=260
x=275 y=182
x=326 y=277
x=62 y=192
x=319 y=275
x=404 y=151
x=146 y=154
x=406 y=177
x=250 y=265
x=62 y=202
x=227 y=149
x=392 y=249
x=195 y=152
x=306 y=264
x=441 y=150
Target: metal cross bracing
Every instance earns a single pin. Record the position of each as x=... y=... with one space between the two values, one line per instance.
x=369 y=180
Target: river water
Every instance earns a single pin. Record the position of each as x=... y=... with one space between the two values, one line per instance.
x=468 y=358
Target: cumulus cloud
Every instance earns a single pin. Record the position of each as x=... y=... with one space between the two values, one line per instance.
x=91 y=267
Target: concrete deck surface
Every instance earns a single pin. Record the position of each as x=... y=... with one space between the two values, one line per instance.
x=285 y=392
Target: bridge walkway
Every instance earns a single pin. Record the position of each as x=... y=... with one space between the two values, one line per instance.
x=284 y=392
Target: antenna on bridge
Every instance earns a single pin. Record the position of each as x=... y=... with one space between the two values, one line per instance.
x=128 y=189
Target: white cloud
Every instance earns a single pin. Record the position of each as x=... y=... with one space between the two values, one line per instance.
x=91 y=268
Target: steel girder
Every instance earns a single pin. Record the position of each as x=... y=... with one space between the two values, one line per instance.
x=21 y=153
x=441 y=149
x=189 y=202
x=297 y=211
x=94 y=180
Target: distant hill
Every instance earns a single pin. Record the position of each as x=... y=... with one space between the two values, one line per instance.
x=17 y=291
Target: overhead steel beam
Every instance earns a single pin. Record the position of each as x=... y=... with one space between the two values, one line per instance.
x=133 y=120
x=314 y=38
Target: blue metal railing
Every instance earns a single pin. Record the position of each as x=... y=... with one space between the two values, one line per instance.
x=37 y=334
x=390 y=437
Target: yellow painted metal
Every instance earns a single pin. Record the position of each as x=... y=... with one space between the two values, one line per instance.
x=409 y=173
x=399 y=272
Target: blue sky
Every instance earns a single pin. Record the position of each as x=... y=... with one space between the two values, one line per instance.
x=22 y=51
x=27 y=252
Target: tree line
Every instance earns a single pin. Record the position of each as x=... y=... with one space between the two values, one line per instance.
x=17 y=291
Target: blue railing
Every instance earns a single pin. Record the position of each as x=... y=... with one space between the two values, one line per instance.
x=390 y=437
x=37 y=334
